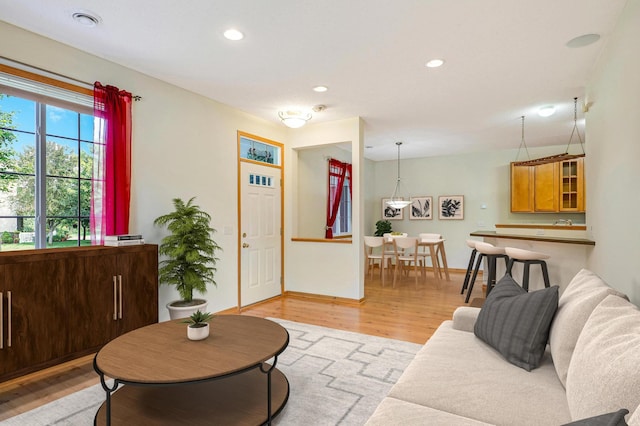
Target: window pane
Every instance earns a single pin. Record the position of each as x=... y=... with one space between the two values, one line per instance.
x=86 y=127
x=22 y=113
x=86 y=160
x=85 y=198
x=62 y=122
x=62 y=157
x=21 y=199
x=62 y=199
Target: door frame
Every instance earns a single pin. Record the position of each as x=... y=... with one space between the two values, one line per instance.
x=279 y=167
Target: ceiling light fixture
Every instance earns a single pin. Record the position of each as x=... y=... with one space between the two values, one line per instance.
x=397 y=201
x=233 y=34
x=320 y=89
x=434 y=63
x=86 y=18
x=294 y=119
x=546 y=111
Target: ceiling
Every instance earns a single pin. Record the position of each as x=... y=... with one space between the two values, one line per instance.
x=503 y=60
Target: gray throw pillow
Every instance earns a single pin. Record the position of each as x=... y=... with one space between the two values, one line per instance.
x=610 y=419
x=516 y=323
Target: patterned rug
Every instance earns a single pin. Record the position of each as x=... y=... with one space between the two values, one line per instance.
x=336 y=378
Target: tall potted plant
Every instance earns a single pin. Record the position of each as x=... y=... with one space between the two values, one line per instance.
x=189 y=250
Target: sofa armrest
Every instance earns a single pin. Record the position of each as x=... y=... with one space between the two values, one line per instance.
x=464 y=318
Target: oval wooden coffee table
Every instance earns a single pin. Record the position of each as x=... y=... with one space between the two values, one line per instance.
x=172 y=380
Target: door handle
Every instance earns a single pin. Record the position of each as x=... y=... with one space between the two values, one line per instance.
x=115 y=299
x=120 y=286
x=245 y=245
x=9 y=319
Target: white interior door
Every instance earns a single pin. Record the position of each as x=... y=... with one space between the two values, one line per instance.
x=260 y=233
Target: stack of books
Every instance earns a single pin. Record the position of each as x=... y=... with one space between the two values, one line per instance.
x=123 y=240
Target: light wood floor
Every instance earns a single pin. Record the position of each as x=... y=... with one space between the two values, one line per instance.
x=403 y=313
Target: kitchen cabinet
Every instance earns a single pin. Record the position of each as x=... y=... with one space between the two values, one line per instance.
x=572 y=192
x=521 y=184
x=545 y=187
x=548 y=188
x=59 y=304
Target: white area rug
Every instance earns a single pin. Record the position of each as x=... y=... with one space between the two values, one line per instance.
x=336 y=378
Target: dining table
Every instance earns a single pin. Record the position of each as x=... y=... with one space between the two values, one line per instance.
x=436 y=251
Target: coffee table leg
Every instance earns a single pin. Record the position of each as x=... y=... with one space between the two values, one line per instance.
x=268 y=373
x=108 y=390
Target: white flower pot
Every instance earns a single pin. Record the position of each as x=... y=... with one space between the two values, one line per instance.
x=198 y=333
x=177 y=312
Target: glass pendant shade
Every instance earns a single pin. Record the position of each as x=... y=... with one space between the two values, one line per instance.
x=397 y=201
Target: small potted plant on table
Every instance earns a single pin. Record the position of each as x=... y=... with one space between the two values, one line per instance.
x=198 y=328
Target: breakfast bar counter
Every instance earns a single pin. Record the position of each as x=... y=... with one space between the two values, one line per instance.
x=541 y=238
x=567 y=246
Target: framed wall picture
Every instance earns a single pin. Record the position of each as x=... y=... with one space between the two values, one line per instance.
x=421 y=208
x=390 y=213
x=451 y=207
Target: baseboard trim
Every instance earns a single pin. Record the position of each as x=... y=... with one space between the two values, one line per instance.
x=323 y=297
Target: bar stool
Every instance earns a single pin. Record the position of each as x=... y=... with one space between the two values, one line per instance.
x=472 y=246
x=492 y=253
x=528 y=258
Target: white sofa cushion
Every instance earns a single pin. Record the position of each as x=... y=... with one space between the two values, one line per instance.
x=458 y=373
x=604 y=374
x=585 y=291
x=392 y=411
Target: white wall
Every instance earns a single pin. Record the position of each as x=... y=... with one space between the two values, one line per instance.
x=184 y=145
x=330 y=269
x=613 y=149
x=482 y=177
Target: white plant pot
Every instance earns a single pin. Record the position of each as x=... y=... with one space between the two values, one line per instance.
x=198 y=333
x=177 y=312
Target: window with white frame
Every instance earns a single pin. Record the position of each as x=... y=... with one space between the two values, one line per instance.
x=46 y=165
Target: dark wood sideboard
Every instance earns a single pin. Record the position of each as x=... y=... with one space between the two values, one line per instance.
x=61 y=304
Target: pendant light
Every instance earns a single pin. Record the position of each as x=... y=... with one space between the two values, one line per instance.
x=575 y=129
x=523 y=144
x=396 y=201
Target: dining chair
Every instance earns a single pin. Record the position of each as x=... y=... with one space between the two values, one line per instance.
x=374 y=250
x=425 y=252
x=389 y=237
x=406 y=253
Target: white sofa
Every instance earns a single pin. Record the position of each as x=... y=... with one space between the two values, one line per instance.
x=590 y=367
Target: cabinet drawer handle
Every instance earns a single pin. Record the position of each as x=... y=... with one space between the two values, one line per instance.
x=120 y=284
x=8 y=319
x=115 y=299
x=1 y=321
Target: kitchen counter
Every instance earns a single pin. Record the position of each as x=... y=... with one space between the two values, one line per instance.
x=567 y=246
x=541 y=238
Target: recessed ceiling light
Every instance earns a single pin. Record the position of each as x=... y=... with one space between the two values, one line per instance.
x=233 y=34
x=546 y=111
x=320 y=89
x=86 y=18
x=583 y=40
x=435 y=63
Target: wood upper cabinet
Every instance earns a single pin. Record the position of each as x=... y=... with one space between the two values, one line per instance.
x=58 y=304
x=521 y=184
x=545 y=187
x=548 y=188
x=572 y=189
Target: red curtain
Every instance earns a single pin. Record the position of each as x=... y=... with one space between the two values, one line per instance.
x=111 y=189
x=337 y=174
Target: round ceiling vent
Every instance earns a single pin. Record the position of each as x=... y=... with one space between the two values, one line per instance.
x=86 y=18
